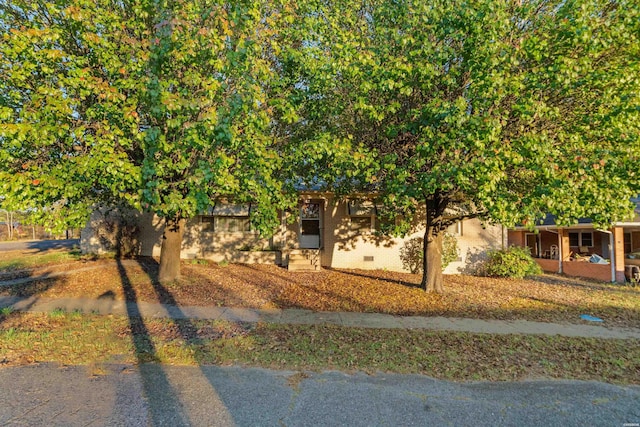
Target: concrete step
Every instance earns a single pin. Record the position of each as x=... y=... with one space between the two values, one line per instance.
x=303 y=267
x=298 y=257
x=301 y=261
x=304 y=260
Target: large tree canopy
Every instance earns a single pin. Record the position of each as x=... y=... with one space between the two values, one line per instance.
x=163 y=105
x=503 y=110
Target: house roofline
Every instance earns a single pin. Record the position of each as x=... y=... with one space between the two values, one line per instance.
x=327 y=194
x=574 y=227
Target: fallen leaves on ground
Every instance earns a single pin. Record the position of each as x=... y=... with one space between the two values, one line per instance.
x=450 y=355
x=73 y=338
x=545 y=298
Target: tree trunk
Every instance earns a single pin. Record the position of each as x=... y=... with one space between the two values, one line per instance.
x=170 y=250
x=10 y=224
x=433 y=257
x=425 y=263
x=432 y=246
x=8 y=227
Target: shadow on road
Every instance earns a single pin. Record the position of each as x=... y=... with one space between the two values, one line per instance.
x=164 y=398
x=161 y=396
x=44 y=245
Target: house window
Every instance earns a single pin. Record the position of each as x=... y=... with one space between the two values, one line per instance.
x=627 y=243
x=362 y=214
x=586 y=239
x=574 y=239
x=226 y=224
x=227 y=218
x=581 y=238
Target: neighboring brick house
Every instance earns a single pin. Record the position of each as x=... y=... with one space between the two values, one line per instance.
x=570 y=250
x=325 y=232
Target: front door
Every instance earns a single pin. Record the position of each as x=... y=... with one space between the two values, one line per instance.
x=310 y=225
x=533 y=244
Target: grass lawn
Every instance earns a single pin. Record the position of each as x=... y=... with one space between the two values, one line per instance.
x=12 y=262
x=74 y=338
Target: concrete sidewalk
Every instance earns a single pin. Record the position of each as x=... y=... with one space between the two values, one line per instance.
x=296 y=316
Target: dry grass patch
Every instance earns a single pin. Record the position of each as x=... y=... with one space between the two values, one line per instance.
x=35 y=262
x=72 y=338
x=449 y=355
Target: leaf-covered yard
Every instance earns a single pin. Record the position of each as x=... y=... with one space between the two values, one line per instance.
x=77 y=338
x=543 y=298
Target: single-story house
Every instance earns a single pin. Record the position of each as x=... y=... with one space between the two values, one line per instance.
x=325 y=232
x=581 y=250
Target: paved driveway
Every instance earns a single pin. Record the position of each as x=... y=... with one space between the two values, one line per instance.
x=42 y=245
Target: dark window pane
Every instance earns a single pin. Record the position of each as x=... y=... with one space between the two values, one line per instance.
x=574 y=239
x=627 y=243
x=310 y=227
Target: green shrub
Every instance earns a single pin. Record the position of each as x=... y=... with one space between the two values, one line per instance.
x=118 y=231
x=513 y=262
x=411 y=252
x=449 y=249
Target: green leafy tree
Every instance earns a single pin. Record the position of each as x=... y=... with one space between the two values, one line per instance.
x=209 y=132
x=70 y=77
x=159 y=105
x=502 y=110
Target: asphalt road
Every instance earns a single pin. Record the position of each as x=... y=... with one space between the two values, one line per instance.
x=158 y=395
x=42 y=245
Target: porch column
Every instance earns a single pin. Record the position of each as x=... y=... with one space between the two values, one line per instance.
x=618 y=253
x=563 y=246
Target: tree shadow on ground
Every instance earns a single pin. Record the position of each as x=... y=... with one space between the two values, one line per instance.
x=376 y=276
x=159 y=392
x=268 y=287
x=25 y=290
x=282 y=301
x=273 y=289
x=30 y=290
x=190 y=335
x=188 y=331
x=46 y=245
